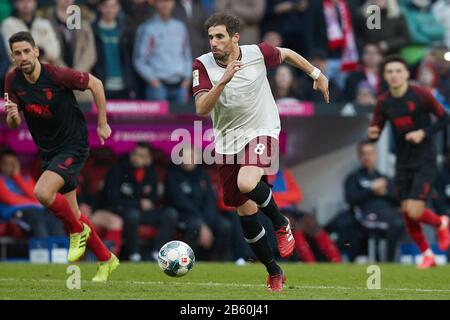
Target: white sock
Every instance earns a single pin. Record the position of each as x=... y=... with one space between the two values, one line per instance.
x=444 y=222
x=428 y=253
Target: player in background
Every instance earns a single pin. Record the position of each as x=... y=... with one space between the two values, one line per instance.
x=43 y=93
x=230 y=82
x=408 y=108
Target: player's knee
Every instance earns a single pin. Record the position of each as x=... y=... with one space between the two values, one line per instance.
x=246 y=184
x=43 y=195
x=247 y=209
x=413 y=213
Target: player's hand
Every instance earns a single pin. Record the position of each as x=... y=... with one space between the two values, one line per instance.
x=12 y=110
x=103 y=132
x=206 y=237
x=373 y=132
x=416 y=136
x=232 y=68
x=321 y=84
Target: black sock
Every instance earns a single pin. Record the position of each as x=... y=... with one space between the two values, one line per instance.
x=262 y=195
x=256 y=237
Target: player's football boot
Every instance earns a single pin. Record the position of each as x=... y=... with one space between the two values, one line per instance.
x=427 y=262
x=275 y=282
x=443 y=233
x=285 y=241
x=106 y=268
x=78 y=243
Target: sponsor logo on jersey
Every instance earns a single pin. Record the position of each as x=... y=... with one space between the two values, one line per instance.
x=38 y=110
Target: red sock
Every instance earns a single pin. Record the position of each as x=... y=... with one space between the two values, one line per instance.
x=116 y=237
x=95 y=244
x=61 y=209
x=429 y=217
x=327 y=247
x=415 y=232
x=302 y=248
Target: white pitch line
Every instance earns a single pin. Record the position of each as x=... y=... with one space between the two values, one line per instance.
x=243 y=285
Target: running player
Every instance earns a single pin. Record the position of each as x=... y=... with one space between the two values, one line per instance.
x=43 y=93
x=408 y=108
x=231 y=83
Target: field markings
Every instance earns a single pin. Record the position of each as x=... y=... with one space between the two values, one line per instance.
x=221 y=284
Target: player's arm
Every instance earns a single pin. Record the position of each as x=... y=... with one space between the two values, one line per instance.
x=205 y=101
x=98 y=92
x=377 y=123
x=320 y=81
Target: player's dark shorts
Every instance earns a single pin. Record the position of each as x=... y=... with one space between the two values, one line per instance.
x=67 y=163
x=415 y=183
x=261 y=152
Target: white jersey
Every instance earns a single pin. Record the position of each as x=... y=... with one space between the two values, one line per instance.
x=246 y=107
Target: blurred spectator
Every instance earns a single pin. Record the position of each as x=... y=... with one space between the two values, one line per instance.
x=92 y=200
x=441 y=11
x=188 y=188
x=17 y=201
x=273 y=38
x=442 y=187
x=137 y=12
x=114 y=48
x=78 y=45
x=250 y=14
x=292 y=19
x=162 y=55
x=423 y=27
x=284 y=84
x=365 y=95
x=208 y=5
x=288 y=194
x=333 y=33
x=5 y=9
x=24 y=19
x=192 y=13
x=393 y=33
x=373 y=200
x=369 y=72
x=131 y=191
x=319 y=60
x=429 y=78
x=4 y=63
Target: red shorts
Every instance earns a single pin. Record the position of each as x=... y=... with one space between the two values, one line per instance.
x=261 y=152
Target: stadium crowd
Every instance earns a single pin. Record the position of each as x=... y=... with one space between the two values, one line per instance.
x=143 y=49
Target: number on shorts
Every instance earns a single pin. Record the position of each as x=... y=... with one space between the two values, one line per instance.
x=260 y=148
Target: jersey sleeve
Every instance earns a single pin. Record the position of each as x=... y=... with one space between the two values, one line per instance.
x=434 y=107
x=12 y=95
x=200 y=78
x=272 y=55
x=378 y=117
x=69 y=78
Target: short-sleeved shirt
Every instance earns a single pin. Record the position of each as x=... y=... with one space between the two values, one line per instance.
x=49 y=106
x=246 y=107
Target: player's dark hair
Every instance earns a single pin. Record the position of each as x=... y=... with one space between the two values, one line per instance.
x=391 y=59
x=21 y=36
x=363 y=143
x=231 y=22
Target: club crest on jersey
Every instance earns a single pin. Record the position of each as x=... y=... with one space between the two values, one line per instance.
x=48 y=93
x=195 y=78
x=411 y=106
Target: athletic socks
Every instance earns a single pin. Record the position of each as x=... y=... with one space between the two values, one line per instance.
x=95 y=244
x=415 y=232
x=262 y=195
x=431 y=218
x=61 y=209
x=255 y=236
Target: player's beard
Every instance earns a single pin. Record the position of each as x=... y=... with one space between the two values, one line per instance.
x=29 y=68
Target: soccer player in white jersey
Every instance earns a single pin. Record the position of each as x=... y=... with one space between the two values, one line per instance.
x=230 y=82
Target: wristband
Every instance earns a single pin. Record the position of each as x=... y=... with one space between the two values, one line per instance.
x=315 y=74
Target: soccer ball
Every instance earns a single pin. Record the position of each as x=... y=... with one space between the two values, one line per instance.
x=176 y=258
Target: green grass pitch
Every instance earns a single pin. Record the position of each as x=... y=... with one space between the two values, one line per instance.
x=224 y=281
